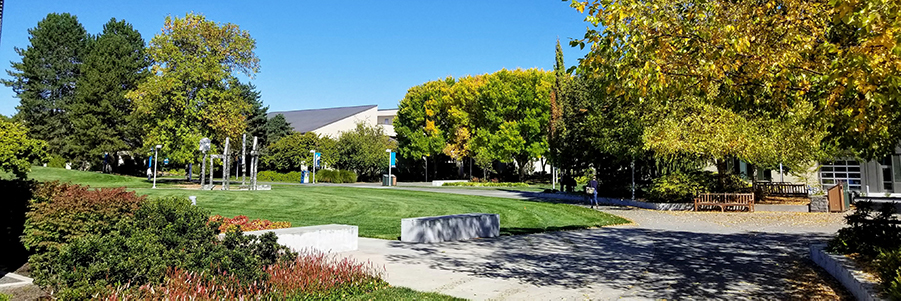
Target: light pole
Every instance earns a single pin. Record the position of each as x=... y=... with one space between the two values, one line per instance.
x=390 y=182
x=156 y=161
x=313 y=151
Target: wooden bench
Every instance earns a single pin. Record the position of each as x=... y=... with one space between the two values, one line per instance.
x=724 y=200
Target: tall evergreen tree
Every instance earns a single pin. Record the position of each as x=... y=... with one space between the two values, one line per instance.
x=45 y=79
x=256 y=116
x=276 y=128
x=100 y=113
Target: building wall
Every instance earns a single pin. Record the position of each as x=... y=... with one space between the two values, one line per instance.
x=334 y=129
x=386 y=121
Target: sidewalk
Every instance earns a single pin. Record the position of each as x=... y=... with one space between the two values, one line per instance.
x=663 y=255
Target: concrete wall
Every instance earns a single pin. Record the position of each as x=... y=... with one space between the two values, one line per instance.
x=334 y=129
x=844 y=270
x=324 y=238
x=449 y=227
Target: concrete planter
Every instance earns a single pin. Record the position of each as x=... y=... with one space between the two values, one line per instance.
x=324 y=238
x=846 y=272
x=818 y=203
x=646 y=205
x=449 y=227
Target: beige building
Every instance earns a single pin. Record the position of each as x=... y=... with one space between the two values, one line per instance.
x=332 y=121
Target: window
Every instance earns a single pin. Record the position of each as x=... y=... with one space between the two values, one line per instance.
x=387 y=120
x=886 y=165
x=832 y=173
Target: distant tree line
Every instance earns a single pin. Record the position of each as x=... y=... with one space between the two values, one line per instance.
x=88 y=95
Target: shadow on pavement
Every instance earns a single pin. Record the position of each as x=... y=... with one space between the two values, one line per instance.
x=656 y=264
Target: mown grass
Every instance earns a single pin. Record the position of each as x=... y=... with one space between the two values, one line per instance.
x=377 y=212
x=402 y=293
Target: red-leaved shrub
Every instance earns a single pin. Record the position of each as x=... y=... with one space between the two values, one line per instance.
x=311 y=276
x=245 y=224
x=60 y=212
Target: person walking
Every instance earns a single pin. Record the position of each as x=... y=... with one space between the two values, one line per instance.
x=592 y=189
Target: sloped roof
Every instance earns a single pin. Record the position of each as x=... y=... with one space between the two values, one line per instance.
x=308 y=120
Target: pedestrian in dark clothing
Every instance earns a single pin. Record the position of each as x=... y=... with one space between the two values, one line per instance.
x=593 y=187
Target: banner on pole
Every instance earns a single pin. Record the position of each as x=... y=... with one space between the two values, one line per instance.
x=393 y=159
x=316 y=158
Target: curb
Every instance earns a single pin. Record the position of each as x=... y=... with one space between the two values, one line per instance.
x=846 y=272
x=652 y=206
x=22 y=280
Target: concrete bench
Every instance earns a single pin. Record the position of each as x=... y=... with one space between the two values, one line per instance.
x=441 y=183
x=325 y=238
x=449 y=227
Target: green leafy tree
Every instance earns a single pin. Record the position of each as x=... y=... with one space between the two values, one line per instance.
x=276 y=128
x=362 y=150
x=417 y=124
x=45 y=79
x=826 y=69
x=18 y=150
x=512 y=116
x=191 y=93
x=292 y=152
x=100 y=113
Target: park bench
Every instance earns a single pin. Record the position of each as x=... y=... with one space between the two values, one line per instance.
x=724 y=200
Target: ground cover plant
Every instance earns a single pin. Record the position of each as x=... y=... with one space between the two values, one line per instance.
x=244 y=224
x=874 y=236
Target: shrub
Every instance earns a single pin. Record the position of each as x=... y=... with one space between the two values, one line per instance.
x=868 y=232
x=243 y=224
x=56 y=161
x=310 y=276
x=335 y=176
x=682 y=187
x=486 y=184
x=347 y=176
x=888 y=267
x=60 y=213
x=163 y=234
x=272 y=176
x=679 y=187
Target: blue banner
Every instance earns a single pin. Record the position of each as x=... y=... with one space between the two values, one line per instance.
x=316 y=158
x=393 y=159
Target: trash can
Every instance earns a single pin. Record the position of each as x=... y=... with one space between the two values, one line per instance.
x=305 y=176
x=389 y=181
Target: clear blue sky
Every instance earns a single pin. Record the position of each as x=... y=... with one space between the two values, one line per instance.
x=317 y=54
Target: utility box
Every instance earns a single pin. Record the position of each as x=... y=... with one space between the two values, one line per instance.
x=837 y=200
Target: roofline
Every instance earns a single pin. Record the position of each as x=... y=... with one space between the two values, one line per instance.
x=362 y=108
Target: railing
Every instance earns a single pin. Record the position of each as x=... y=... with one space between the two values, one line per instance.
x=781 y=189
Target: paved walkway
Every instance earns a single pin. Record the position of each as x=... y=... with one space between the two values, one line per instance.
x=663 y=255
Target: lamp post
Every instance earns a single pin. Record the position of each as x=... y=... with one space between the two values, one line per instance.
x=389 y=167
x=313 y=151
x=156 y=160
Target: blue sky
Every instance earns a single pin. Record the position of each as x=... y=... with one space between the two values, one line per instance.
x=317 y=54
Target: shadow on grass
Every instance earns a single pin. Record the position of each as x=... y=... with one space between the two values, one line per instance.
x=16 y=195
x=646 y=263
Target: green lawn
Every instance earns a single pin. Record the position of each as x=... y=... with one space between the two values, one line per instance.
x=377 y=212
